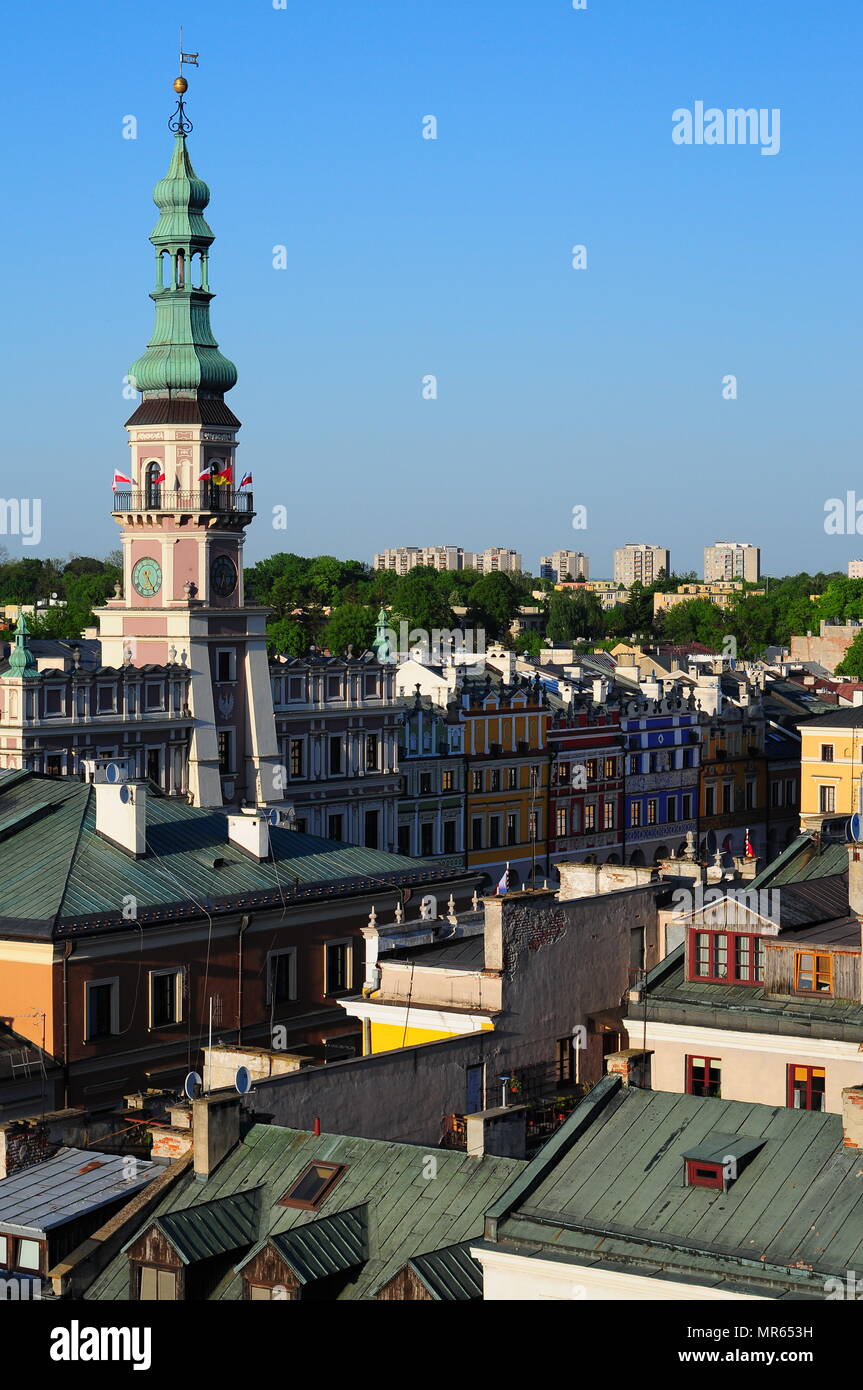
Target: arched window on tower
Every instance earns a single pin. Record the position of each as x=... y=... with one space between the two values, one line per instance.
x=153 y=484
x=181 y=270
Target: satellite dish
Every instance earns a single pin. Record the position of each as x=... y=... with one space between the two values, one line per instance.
x=125 y=794
x=274 y=816
x=192 y=1084
x=242 y=1081
x=113 y=773
x=855 y=827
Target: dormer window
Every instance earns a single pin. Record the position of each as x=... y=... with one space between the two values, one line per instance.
x=726 y=957
x=813 y=973
x=700 y=1174
x=719 y=1159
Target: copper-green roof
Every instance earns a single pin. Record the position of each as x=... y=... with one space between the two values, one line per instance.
x=59 y=877
x=385 y=1197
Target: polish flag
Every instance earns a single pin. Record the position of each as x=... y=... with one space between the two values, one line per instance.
x=118 y=479
x=205 y=476
x=246 y=480
x=503 y=886
x=160 y=479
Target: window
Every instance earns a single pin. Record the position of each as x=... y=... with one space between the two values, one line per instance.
x=703 y=1076
x=590 y=767
x=476 y=781
x=295 y=688
x=106 y=699
x=700 y=1174
x=446 y=780
x=372 y=830
x=296 y=757
x=370 y=687
x=166 y=997
x=494 y=780
x=337 y=962
x=476 y=833
x=722 y=956
x=727 y=791
x=54 y=701
x=806 y=1088
x=512 y=778
x=590 y=816
x=610 y=767
x=750 y=794
x=334 y=827
x=563 y=772
x=53 y=764
x=494 y=831
x=425 y=783
x=560 y=820
x=226 y=751
x=282 y=976
x=156 y=1285
x=335 y=754
x=827 y=799
x=371 y=752
x=634 y=768
x=813 y=973
x=101 y=1009
x=533 y=825
x=28 y=1255
x=790 y=791
x=426 y=841
x=334 y=687
x=449 y=837
x=405 y=840
x=652 y=810
x=313 y=1185
x=512 y=828
x=225 y=665
x=827 y=752
x=608 y=815
x=635 y=813
x=776 y=793
x=565 y=1060
x=686 y=806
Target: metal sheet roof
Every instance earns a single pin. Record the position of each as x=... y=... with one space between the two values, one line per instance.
x=213 y=1228
x=409 y=1213
x=449 y=1274
x=35 y=1200
x=331 y=1245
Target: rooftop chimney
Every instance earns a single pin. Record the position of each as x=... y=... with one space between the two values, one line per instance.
x=121 y=814
x=216 y=1129
x=852 y=1117
x=251 y=834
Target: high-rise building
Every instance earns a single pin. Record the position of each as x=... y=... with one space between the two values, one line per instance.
x=564 y=564
x=732 y=560
x=403 y=558
x=497 y=557
x=639 y=562
x=855 y=569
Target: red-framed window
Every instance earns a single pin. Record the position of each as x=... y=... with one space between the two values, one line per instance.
x=704 y=1076
x=701 y=1174
x=806 y=1086
x=726 y=957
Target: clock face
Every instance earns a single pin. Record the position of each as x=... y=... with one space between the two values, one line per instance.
x=147 y=577
x=223 y=576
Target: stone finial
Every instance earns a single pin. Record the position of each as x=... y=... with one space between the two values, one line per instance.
x=373 y=917
x=399 y=914
x=450 y=907
x=474 y=902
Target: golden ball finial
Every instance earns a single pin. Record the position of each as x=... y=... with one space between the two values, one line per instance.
x=180 y=85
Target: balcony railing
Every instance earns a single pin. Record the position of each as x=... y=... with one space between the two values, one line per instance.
x=207 y=498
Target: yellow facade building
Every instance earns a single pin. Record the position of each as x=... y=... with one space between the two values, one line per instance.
x=831 y=766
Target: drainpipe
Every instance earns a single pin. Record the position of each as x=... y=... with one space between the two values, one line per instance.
x=68 y=948
x=245 y=923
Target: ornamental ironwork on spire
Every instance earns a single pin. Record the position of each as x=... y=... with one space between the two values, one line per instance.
x=182 y=360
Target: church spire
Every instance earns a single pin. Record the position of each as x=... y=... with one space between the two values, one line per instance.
x=182 y=360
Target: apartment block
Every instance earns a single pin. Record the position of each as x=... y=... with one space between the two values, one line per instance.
x=732 y=560
x=564 y=564
x=640 y=563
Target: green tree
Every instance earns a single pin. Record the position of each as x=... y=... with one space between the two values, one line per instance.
x=349 y=625
x=851 y=664
x=418 y=599
x=287 y=638
x=492 y=604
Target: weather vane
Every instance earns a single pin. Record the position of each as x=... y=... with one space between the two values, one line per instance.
x=180 y=121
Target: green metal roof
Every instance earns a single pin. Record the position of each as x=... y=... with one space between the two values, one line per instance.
x=449 y=1274
x=213 y=1228
x=410 y=1214
x=57 y=875
x=332 y=1245
x=717 y=1148
x=609 y=1189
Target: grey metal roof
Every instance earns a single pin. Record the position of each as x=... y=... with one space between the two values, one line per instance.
x=461 y=953
x=34 y=1200
x=213 y=1228
x=331 y=1245
x=716 y=1147
x=449 y=1274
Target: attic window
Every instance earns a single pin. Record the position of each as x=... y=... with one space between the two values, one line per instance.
x=701 y=1174
x=313 y=1185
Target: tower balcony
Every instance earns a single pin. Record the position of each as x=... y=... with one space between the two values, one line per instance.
x=208 y=497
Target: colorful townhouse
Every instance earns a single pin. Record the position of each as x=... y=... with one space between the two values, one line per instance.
x=586 y=796
x=662 y=748
x=831 y=766
x=507 y=765
x=432 y=765
x=733 y=786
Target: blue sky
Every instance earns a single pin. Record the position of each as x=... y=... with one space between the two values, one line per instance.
x=408 y=257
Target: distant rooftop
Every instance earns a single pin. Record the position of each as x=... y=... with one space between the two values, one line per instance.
x=34 y=1200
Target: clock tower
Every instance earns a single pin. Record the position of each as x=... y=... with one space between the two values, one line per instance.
x=183 y=510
